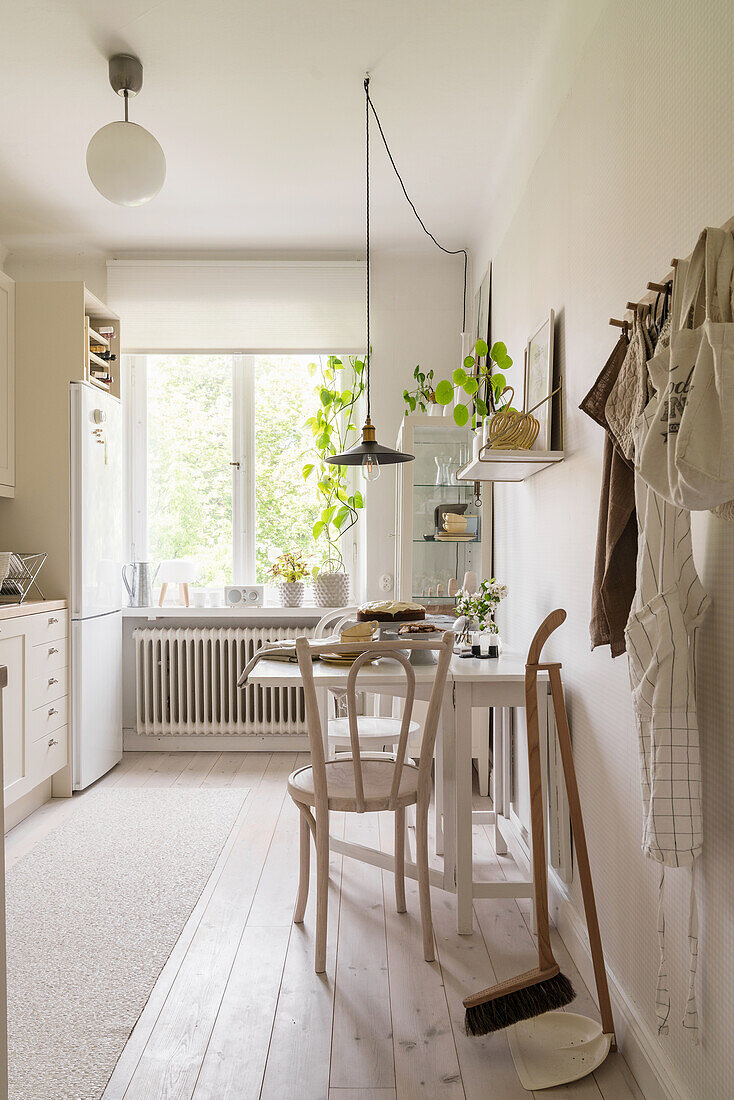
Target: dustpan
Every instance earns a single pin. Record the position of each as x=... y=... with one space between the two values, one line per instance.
x=557 y=1048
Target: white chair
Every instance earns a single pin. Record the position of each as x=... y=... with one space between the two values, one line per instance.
x=354 y=783
x=375 y=731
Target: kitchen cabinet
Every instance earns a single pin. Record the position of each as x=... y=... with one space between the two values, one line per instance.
x=7 y=386
x=34 y=648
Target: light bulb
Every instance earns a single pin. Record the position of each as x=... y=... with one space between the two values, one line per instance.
x=370 y=468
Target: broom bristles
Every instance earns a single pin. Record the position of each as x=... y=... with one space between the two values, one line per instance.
x=523 y=1004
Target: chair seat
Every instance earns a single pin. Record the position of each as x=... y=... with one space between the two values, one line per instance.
x=379 y=731
x=377 y=777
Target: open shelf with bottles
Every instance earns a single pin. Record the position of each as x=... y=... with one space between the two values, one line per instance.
x=101 y=345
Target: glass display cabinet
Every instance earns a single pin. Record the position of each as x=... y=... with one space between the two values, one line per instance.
x=430 y=560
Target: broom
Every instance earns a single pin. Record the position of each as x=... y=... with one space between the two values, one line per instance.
x=545 y=987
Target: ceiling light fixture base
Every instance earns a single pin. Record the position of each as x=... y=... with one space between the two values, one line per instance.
x=126 y=74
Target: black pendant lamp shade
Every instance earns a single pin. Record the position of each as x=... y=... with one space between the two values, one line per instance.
x=383 y=456
x=369 y=454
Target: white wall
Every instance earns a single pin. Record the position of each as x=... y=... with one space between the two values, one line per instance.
x=639 y=158
x=416 y=318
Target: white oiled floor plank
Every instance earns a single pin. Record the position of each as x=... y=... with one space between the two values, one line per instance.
x=225 y=769
x=361 y=1094
x=141 y=769
x=234 y=1062
x=426 y=1063
x=170 y=1063
x=169 y=769
x=361 y=1052
x=197 y=769
x=303 y=1022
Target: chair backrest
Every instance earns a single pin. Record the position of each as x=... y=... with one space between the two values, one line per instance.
x=333 y=619
x=395 y=650
x=543 y=633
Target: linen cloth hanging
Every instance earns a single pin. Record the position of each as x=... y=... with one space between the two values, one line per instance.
x=687 y=454
x=616 y=540
x=668 y=607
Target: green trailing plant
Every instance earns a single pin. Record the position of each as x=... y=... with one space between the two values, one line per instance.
x=290 y=566
x=484 y=383
x=338 y=389
x=423 y=395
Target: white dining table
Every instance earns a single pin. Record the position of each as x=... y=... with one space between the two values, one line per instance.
x=497 y=684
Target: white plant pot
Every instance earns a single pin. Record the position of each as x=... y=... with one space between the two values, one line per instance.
x=434 y=409
x=476 y=445
x=331 y=590
x=291 y=593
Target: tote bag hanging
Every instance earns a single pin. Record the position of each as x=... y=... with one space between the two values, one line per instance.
x=687 y=454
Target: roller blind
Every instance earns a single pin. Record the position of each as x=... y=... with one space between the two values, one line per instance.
x=246 y=306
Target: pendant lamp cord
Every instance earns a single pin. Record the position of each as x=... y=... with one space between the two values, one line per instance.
x=449 y=251
x=367 y=130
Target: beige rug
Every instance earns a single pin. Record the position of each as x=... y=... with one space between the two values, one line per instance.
x=93 y=913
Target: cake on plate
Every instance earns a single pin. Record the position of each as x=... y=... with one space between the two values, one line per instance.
x=391 y=611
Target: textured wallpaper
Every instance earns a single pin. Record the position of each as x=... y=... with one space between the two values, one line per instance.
x=640 y=158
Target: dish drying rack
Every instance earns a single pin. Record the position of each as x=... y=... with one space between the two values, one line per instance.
x=23 y=569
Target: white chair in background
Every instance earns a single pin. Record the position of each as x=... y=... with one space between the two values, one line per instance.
x=359 y=783
x=375 y=731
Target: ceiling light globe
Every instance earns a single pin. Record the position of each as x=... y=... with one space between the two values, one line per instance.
x=126 y=164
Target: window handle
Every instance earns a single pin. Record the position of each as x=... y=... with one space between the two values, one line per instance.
x=235 y=464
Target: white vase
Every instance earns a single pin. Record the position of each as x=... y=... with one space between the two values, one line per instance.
x=434 y=409
x=331 y=589
x=291 y=593
x=476 y=445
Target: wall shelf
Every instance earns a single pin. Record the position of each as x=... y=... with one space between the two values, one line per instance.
x=508 y=465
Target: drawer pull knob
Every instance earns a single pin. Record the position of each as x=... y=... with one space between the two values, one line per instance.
x=52 y=620
x=52 y=710
x=52 y=680
x=52 y=650
x=52 y=742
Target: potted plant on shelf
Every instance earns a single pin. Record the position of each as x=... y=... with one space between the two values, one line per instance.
x=339 y=388
x=290 y=568
x=484 y=384
x=423 y=397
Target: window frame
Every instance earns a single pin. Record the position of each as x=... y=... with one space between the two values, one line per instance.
x=134 y=379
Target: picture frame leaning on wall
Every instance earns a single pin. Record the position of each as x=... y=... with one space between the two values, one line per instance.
x=538 y=380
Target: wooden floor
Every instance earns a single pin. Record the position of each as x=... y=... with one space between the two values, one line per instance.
x=238 y=1012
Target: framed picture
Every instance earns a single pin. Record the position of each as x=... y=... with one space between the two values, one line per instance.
x=539 y=379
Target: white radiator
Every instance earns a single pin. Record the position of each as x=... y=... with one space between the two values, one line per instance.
x=186 y=683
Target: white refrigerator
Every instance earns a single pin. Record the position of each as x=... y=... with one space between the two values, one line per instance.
x=96 y=584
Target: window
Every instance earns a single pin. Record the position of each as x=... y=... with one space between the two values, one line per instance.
x=217 y=447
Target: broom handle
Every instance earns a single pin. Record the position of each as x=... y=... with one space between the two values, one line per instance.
x=582 y=852
x=540 y=881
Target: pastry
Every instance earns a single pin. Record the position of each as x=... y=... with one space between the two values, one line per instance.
x=419 y=628
x=389 y=611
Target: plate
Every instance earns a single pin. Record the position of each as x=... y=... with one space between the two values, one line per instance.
x=456 y=538
x=342 y=660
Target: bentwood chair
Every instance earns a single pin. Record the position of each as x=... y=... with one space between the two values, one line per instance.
x=358 y=782
x=375 y=731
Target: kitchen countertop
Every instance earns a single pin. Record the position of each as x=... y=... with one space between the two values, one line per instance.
x=30 y=607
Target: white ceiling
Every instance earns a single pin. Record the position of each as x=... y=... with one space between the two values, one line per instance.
x=259 y=109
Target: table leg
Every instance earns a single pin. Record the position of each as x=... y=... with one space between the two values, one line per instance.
x=498 y=776
x=446 y=778
x=438 y=808
x=463 y=811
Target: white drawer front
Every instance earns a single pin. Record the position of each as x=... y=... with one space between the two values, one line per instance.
x=48 y=656
x=48 y=755
x=48 y=718
x=50 y=686
x=47 y=626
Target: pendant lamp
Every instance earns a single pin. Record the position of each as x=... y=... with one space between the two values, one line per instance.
x=124 y=161
x=369 y=454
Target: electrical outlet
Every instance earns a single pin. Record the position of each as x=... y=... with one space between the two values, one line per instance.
x=386 y=582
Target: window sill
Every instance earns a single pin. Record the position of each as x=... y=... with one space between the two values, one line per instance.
x=230 y=614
